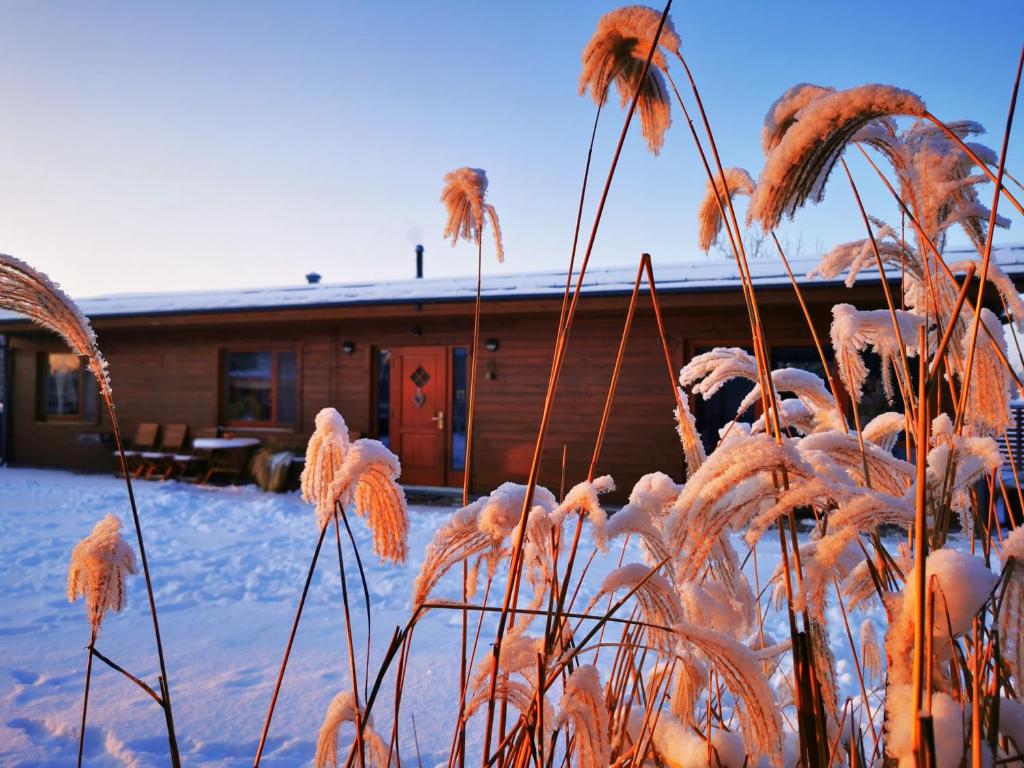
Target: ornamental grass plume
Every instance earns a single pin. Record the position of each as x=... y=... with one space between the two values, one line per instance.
x=616 y=54
x=99 y=564
x=872 y=657
x=1011 y=617
x=697 y=512
x=583 y=498
x=342 y=709
x=689 y=437
x=887 y=473
x=885 y=429
x=783 y=111
x=582 y=710
x=759 y=718
x=463 y=195
x=31 y=293
x=709 y=215
x=810 y=389
x=710 y=371
x=989 y=393
x=475 y=530
x=363 y=474
x=811 y=142
x=854 y=330
x=658 y=601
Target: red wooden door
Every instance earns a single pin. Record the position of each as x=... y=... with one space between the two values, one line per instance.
x=419 y=397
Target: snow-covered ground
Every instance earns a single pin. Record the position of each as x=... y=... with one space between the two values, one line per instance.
x=228 y=565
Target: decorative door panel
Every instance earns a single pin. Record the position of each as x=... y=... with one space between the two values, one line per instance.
x=419 y=399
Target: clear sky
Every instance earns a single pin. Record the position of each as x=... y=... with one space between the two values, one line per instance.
x=157 y=146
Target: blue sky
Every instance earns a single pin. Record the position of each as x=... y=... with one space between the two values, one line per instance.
x=158 y=146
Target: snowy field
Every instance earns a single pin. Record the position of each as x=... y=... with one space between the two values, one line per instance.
x=228 y=565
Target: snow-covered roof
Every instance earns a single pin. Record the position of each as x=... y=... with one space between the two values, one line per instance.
x=672 y=277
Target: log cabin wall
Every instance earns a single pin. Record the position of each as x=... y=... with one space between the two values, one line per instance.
x=167 y=370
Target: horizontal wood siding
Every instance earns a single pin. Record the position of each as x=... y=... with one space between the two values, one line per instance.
x=170 y=374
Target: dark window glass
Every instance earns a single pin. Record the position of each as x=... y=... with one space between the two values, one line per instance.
x=250 y=387
x=805 y=358
x=90 y=398
x=287 y=395
x=63 y=379
x=460 y=365
x=384 y=396
x=713 y=414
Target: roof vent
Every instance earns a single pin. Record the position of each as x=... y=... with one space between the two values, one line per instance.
x=313 y=278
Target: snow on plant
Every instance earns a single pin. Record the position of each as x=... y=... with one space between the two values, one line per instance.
x=362 y=474
x=582 y=710
x=658 y=601
x=616 y=55
x=100 y=563
x=854 y=331
x=948 y=721
x=885 y=429
x=582 y=498
x=343 y=709
x=1011 y=618
x=474 y=531
x=679 y=747
x=760 y=720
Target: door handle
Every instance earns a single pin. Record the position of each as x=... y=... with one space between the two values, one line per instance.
x=439 y=418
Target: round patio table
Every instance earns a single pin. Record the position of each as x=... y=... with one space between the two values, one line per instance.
x=224 y=443
x=228 y=456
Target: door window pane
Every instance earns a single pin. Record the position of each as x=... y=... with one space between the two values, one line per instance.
x=460 y=364
x=384 y=396
x=63 y=375
x=249 y=387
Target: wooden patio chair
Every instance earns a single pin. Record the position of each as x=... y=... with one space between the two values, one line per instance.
x=171 y=456
x=146 y=435
x=193 y=470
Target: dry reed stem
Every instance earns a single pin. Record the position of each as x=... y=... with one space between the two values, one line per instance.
x=516 y=559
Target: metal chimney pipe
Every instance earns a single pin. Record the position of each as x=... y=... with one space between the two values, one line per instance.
x=419 y=262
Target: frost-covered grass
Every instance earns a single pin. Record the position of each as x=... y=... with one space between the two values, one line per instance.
x=227 y=565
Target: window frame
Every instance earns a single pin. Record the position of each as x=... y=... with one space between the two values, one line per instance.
x=223 y=386
x=43 y=416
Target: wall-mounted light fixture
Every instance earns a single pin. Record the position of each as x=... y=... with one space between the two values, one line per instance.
x=491 y=371
x=348 y=347
x=492 y=345
x=417 y=331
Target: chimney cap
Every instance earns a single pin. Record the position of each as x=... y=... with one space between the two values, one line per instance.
x=312 y=278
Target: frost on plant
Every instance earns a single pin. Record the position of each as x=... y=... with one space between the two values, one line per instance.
x=362 y=475
x=99 y=565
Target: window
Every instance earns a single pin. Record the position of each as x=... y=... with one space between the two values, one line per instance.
x=384 y=396
x=261 y=389
x=68 y=391
x=460 y=364
x=713 y=414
